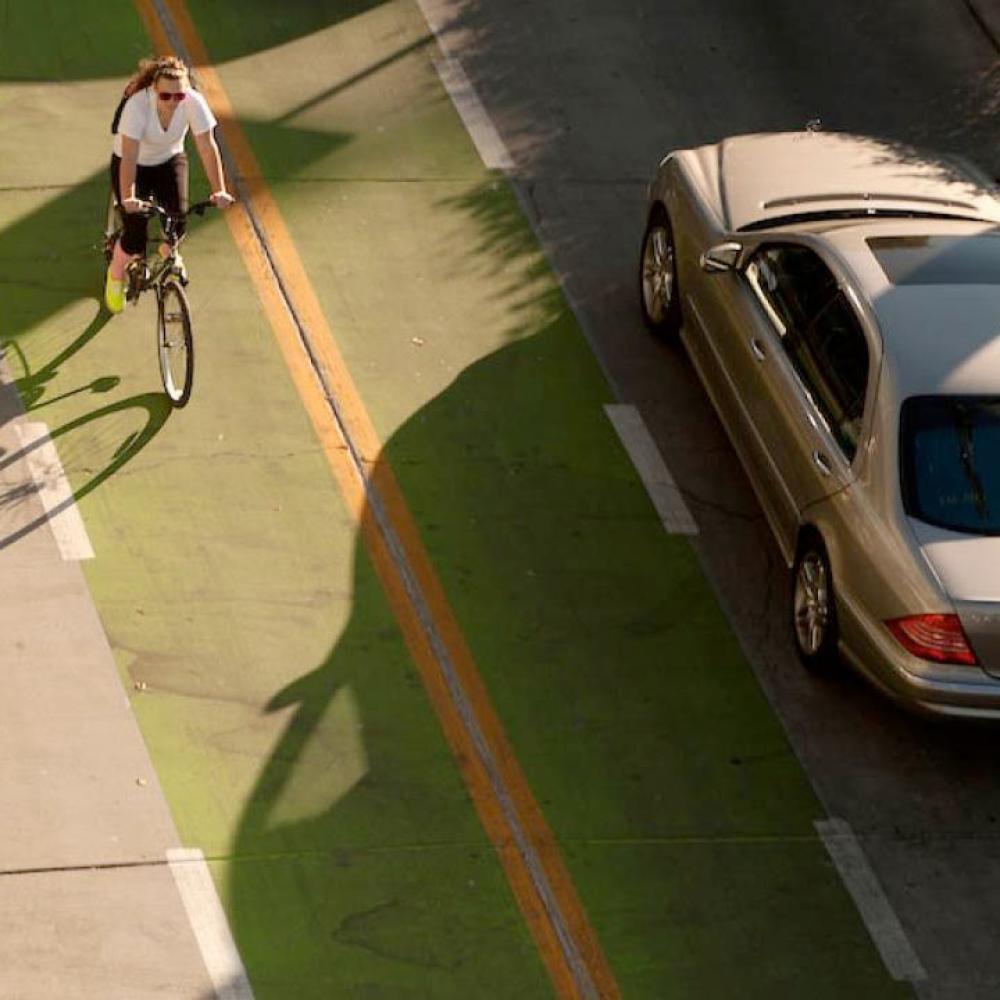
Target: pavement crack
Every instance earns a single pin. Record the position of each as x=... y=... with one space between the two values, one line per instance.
x=101 y=866
x=982 y=23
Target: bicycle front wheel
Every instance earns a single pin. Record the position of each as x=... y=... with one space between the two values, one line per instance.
x=174 y=343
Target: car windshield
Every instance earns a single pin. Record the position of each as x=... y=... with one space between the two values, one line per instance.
x=950 y=462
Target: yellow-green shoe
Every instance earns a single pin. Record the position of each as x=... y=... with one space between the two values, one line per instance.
x=114 y=294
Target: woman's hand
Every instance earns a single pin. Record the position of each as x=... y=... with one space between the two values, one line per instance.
x=133 y=205
x=222 y=199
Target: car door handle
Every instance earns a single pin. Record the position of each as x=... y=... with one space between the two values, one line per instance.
x=822 y=463
x=757 y=348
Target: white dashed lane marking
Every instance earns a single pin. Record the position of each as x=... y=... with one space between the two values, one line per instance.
x=876 y=912
x=209 y=923
x=653 y=471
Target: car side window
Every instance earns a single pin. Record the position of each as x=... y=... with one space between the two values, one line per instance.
x=793 y=282
x=819 y=331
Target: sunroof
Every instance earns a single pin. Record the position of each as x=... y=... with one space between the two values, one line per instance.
x=938 y=260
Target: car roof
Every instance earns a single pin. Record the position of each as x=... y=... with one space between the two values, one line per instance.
x=937 y=338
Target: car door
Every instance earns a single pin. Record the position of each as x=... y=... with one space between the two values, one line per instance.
x=811 y=368
x=705 y=301
x=716 y=304
x=746 y=312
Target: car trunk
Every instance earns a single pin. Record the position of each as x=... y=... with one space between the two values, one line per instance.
x=968 y=567
x=981 y=622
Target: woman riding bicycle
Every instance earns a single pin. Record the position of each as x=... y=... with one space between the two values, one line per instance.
x=158 y=108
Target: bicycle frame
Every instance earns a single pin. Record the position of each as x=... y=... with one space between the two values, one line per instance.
x=143 y=275
x=166 y=277
x=147 y=272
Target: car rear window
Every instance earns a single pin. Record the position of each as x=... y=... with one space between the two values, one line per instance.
x=950 y=462
x=938 y=260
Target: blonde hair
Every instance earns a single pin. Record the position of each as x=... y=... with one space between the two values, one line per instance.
x=151 y=70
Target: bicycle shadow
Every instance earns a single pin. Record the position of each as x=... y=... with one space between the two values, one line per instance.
x=31 y=385
x=19 y=483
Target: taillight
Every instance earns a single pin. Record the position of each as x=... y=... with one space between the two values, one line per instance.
x=940 y=638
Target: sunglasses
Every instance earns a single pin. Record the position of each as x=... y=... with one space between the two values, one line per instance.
x=170 y=97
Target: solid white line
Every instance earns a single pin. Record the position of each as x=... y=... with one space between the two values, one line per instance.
x=208 y=921
x=653 y=471
x=477 y=121
x=54 y=491
x=879 y=917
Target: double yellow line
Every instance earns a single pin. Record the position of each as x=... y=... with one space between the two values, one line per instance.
x=506 y=807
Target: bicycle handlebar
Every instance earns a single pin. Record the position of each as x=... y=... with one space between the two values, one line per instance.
x=151 y=208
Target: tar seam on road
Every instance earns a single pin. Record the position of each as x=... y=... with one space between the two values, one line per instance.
x=505 y=805
x=103 y=866
x=208 y=921
x=876 y=912
x=976 y=14
x=652 y=469
x=54 y=492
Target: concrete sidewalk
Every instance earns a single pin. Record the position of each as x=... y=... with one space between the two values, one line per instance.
x=84 y=827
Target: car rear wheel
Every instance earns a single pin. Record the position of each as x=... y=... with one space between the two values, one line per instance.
x=814 y=612
x=658 y=290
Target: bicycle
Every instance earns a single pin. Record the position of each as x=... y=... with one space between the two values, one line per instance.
x=174 y=340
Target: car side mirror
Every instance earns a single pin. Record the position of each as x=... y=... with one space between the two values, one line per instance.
x=721 y=257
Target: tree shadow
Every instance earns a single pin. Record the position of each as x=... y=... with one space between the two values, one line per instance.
x=50 y=259
x=626 y=710
x=258 y=25
x=28 y=52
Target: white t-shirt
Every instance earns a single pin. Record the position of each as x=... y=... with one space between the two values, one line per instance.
x=139 y=120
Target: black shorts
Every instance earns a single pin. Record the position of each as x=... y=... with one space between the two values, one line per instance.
x=166 y=182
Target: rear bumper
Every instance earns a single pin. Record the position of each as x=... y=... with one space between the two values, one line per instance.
x=930 y=688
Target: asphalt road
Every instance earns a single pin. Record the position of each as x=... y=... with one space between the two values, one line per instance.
x=588 y=95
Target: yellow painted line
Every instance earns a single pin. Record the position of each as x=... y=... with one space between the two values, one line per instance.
x=553 y=911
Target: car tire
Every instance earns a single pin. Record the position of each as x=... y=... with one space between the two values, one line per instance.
x=659 y=291
x=814 y=607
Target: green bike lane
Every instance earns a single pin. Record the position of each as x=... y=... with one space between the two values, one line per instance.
x=288 y=727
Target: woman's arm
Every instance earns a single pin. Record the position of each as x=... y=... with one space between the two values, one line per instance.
x=208 y=150
x=126 y=172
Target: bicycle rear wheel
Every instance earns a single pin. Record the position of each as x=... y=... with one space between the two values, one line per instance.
x=174 y=343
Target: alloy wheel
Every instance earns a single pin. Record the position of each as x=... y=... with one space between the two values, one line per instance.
x=658 y=273
x=812 y=603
